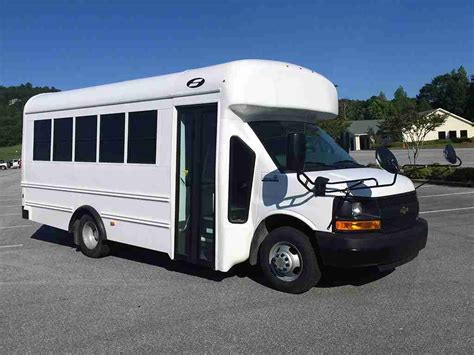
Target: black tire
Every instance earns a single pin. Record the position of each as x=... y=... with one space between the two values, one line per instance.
x=87 y=225
x=289 y=242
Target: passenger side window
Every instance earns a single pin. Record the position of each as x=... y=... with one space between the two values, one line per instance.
x=142 y=137
x=86 y=139
x=112 y=133
x=62 y=143
x=42 y=140
x=242 y=164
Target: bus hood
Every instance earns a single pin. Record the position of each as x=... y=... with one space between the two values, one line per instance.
x=402 y=184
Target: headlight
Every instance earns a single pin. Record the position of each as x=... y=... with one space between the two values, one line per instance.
x=356 y=215
x=356 y=209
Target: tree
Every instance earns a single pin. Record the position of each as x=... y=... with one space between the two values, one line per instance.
x=469 y=109
x=414 y=127
x=337 y=126
x=378 y=108
x=393 y=123
x=401 y=102
x=448 y=91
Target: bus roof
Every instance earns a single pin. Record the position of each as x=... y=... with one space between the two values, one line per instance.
x=251 y=88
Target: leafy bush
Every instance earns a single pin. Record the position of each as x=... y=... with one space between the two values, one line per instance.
x=440 y=173
x=461 y=140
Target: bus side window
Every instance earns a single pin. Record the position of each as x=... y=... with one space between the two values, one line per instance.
x=42 y=140
x=86 y=139
x=142 y=137
x=242 y=164
x=62 y=140
x=112 y=138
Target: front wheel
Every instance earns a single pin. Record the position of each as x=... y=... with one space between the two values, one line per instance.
x=288 y=261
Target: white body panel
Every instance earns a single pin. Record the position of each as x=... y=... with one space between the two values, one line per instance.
x=140 y=198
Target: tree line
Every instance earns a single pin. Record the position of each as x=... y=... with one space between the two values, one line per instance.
x=12 y=101
x=452 y=91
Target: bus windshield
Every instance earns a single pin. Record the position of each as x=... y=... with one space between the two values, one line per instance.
x=322 y=152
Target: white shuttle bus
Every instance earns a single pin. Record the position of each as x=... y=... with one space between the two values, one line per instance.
x=216 y=166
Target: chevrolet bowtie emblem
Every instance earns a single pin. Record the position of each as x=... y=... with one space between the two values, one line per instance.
x=404 y=210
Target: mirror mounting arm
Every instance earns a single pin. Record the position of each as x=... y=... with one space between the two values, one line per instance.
x=319 y=185
x=320 y=188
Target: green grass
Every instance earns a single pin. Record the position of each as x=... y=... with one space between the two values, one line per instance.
x=7 y=153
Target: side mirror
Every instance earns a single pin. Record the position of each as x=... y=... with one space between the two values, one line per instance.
x=386 y=160
x=450 y=154
x=296 y=151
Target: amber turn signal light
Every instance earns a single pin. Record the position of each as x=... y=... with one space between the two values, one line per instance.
x=357 y=225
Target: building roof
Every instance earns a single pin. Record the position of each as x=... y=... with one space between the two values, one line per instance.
x=248 y=87
x=364 y=126
x=446 y=112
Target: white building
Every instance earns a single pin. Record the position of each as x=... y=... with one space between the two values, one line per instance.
x=454 y=127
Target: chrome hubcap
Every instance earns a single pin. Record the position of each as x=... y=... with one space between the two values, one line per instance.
x=90 y=234
x=285 y=261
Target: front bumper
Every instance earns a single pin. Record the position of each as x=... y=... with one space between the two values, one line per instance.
x=372 y=249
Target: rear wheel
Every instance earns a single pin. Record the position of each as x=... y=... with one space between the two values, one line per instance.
x=91 y=241
x=288 y=261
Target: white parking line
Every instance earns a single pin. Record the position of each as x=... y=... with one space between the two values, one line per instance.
x=454 y=193
x=10 y=206
x=448 y=210
x=10 y=214
x=10 y=246
x=19 y=226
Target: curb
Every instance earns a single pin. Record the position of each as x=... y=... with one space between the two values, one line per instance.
x=447 y=183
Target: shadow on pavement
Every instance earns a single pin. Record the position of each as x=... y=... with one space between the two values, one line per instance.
x=53 y=235
x=331 y=277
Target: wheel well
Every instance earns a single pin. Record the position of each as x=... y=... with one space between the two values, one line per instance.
x=273 y=222
x=77 y=215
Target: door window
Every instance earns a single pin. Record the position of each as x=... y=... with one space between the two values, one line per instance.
x=242 y=163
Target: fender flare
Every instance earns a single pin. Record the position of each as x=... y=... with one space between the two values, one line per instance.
x=76 y=216
x=261 y=232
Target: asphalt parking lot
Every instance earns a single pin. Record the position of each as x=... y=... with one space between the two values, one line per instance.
x=54 y=299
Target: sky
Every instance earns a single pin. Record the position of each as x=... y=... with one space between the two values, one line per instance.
x=362 y=46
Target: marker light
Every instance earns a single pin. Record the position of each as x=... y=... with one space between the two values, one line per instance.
x=358 y=225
